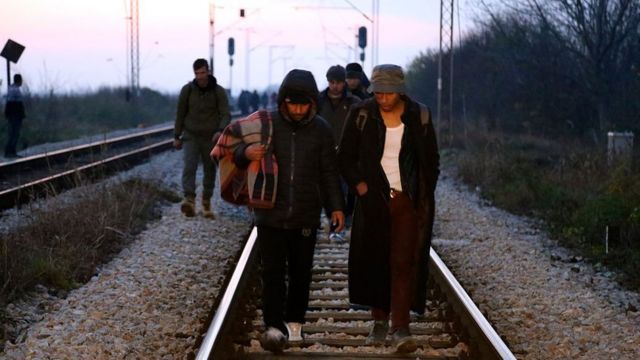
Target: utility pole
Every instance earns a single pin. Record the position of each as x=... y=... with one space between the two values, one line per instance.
x=212 y=34
x=132 y=92
x=375 y=32
x=445 y=69
x=231 y=50
x=134 y=48
x=284 y=57
x=375 y=26
x=247 y=59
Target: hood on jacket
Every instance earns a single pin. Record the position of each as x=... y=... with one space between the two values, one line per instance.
x=299 y=82
x=210 y=85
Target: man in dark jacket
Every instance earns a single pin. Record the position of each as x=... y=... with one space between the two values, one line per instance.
x=14 y=112
x=335 y=102
x=303 y=145
x=389 y=156
x=357 y=81
x=203 y=111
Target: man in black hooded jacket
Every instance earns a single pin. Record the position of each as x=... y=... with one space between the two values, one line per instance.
x=303 y=145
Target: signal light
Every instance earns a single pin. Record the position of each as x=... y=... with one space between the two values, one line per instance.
x=231 y=46
x=362 y=37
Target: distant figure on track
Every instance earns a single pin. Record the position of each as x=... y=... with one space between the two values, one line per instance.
x=14 y=112
x=389 y=157
x=357 y=81
x=203 y=111
x=302 y=144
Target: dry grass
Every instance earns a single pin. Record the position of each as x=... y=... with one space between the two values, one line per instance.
x=61 y=246
x=569 y=186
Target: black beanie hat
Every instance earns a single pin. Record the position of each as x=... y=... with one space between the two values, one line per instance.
x=336 y=72
x=354 y=71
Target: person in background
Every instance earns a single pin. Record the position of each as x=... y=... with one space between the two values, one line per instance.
x=334 y=105
x=389 y=157
x=255 y=101
x=264 y=100
x=302 y=144
x=356 y=80
x=202 y=113
x=15 y=114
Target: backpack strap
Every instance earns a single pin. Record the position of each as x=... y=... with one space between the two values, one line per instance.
x=425 y=117
x=425 y=114
x=361 y=120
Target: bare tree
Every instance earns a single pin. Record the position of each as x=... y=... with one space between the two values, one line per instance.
x=595 y=32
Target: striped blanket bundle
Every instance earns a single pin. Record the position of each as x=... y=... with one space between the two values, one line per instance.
x=256 y=185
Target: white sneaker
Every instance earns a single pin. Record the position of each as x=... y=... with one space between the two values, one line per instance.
x=337 y=238
x=295 y=331
x=273 y=340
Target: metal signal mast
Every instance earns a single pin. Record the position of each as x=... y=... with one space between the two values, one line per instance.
x=445 y=70
x=134 y=48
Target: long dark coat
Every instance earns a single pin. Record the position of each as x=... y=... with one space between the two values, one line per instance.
x=359 y=158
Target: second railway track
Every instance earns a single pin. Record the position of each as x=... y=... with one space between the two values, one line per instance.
x=27 y=178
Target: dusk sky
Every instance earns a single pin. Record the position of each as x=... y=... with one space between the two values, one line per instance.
x=78 y=45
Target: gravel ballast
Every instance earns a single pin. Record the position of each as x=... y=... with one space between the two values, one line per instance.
x=545 y=302
x=152 y=299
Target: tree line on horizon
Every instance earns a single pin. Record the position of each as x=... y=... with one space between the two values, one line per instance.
x=553 y=68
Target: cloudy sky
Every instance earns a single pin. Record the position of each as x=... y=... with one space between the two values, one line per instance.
x=79 y=45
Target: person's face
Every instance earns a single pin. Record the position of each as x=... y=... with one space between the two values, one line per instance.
x=353 y=83
x=387 y=101
x=336 y=87
x=298 y=112
x=202 y=76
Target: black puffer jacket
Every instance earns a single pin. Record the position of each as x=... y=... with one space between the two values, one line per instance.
x=305 y=153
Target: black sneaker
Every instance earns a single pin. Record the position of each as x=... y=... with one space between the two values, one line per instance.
x=403 y=341
x=273 y=340
x=378 y=333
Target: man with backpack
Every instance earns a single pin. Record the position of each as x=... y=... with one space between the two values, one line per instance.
x=389 y=157
x=202 y=114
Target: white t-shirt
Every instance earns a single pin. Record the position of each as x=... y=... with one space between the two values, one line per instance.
x=390 y=162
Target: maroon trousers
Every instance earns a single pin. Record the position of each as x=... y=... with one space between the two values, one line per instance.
x=403 y=259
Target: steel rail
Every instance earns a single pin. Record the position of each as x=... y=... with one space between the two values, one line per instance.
x=212 y=345
x=65 y=180
x=490 y=345
x=62 y=155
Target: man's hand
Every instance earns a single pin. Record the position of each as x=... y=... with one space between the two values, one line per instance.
x=362 y=188
x=337 y=220
x=177 y=144
x=255 y=151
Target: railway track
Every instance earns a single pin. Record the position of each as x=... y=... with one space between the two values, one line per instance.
x=35 y=176
x=452 y=328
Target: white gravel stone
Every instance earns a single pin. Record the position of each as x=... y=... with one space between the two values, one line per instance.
x=528 y=288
